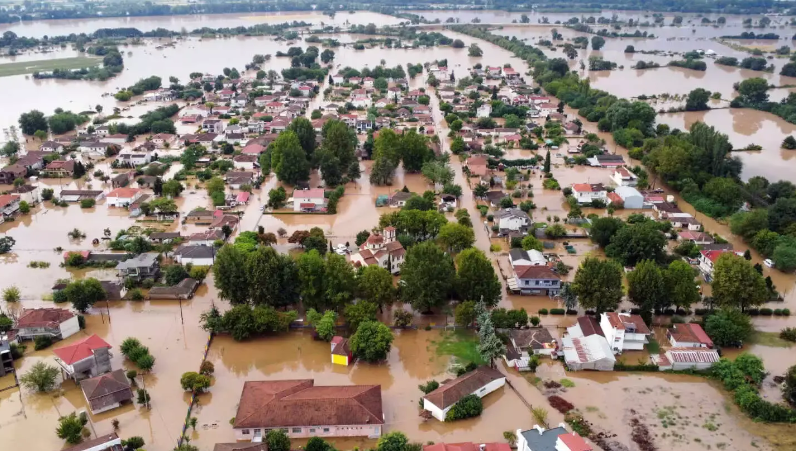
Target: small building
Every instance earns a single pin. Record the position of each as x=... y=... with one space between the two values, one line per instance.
x=9 y=206
x=707 y=259
x=51 y=146
x=304 y=410
x=55 y=323
x=481 y=382
x=585 y=193
x=309 y=200
x=585 y=326
x=622 y=176
x=554 y=439
x=143 y=266
x=76 y=195
x=164 y=237
x=60 y=168
x=107 y=392
x=484 y=110
x=183 y=290
x=631 y=198
x=199 y=216
x=123 y=197
x=686 y=359
x=399 y=198
x=698 y=238
x=108 y=442
x=245 y=161
x=197 y=255
x=607 y=161
x=520 y=257
x=512 y=220
x=86 y=358
x=690 y=335
x=523 y=343
x=341 y=351
x=624 y=331
x=6 y=359
x=588 y=353
x=535 y=280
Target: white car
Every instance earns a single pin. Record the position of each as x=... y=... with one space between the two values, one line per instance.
x=768 y=262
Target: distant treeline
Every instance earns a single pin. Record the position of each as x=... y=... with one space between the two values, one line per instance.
x=752 y=35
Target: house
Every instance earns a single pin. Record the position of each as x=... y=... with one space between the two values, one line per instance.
x=477 y=165
x=467 y=446
x=690 y=335
x=123 y=197
x=206 y=238
x=163 y=237
x=140 y=267
x=624 y=331
x=309 y=200
x=9 y=206
x=554 y=439
x=136 y=157
x=236 y=179
x=623 y=177
x=253 y=148
x=219 y=222
x=382 y=250
x=107 y=392
x=48 y=322
x=245 y=161
x=212 y=126
x=51 y=146
x=494 y=197
x=183 y=290
x=60 y=168
x=108 y=442
x=532 y=257
x=32 y=161
x=196 y=255
x=481 y=382
x=199 y=216
x=526 y=342
x=591 y=352
x=163 y=140
x=341 y=351
x=6 y=359
x=86 y=358
x=585 y=326
x=338 y=79
x=698 y=238
x=305 y=410
x=535 y=280
x=76 y=195
x=240 y=447
x=94 y=147
x=686 y=359
x=631 y=198
x=26 y=193
x=707 y=259
x=585 y=193
x=12 y=172
x=512 y=220
x=484 y=110
x=399 y=198
x=607 y=161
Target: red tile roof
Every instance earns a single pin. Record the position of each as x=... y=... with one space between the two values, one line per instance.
x=314 y=193
x=535 y=272
x=574 y=442
x=43 y=317
x=80 y=350
x=690 y=333
x=124 y=193
x=620 y=322
x=6 y=199
x=286 y=403
x=713 y=255
x=590 y=326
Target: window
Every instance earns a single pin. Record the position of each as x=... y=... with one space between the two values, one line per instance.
x=297 y=430
x=245 y=432
x=312 y=430
x=325 y=429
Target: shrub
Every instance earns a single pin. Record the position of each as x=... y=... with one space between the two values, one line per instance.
x=87 y=203
x=467 y=407
x=557 y=311
x=42 y=342
x=136 y=295
x=535 y=320
x=560 y=404
x=766 y=312
x=788 y=333
x=192 y=381
x=777 y=312
x=785 y=312
x=543 y=311
x=567 y=383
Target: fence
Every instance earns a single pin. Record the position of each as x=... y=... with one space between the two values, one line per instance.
x=193 y=394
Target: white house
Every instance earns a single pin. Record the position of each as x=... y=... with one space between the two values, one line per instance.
x=624 y=332
x=590 y=352
x=707 y=259
x=484 y=110
x=135 y=158
x=309 y=200
x=690 y=335
x=94 y=147
x=585 y=193
x=554 y=439
x=51 y=146
x=535 y=280
x=631 y=198
x=195 y=255
x=512 y=220
x=123 y=197
x=109 y=442
x=686 y=358
x=520 y=257
x=481 y=382
x=382 y=250
x=623 y=177
x=245 y=162
x=49 y=322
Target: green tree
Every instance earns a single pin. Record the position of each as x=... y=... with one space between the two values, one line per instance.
x=681 y=289
x=324 y=323
x=82 y=294
x=32 y=121
x=193 y=381
x=272 y=278
x=455 y=237
x=70 y=428
x=646 y=289
x=230 y=275
x=753 y=91
x=305 y=133
x=356 y=314
x=697 y=100
x=172 y=188
x=288 y=159
x=598 y=284
x=568 y=296
x=393 y=441
x=728 y=327
x=414 y=151
x=41 y=377
x=312 y=272
x=191 y=155
x=215 y=185
x=639 y=242
x=464 y=314
x=277 y=440
x=339 y=141
x=277 y=197
x=546 y=167
x=476 y=279
x=11 y=294
x=340 y=281
x=530 y=242
x=375 y=285
x=427 y=275
x=736 y=284
x=603 y=229
x=597 y=42
x=372 y=341
x=490 y=347
x=474 y=50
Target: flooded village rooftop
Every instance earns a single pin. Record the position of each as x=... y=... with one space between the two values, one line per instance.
x=441 y=228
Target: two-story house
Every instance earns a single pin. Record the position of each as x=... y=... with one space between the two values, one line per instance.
x=585 y=193
x=309 y=200
x=381 y=249
x=512 y=220
x=623 y=177
x=48 y=322
x=536 y=280
x=86 y=358
x=624 y=331
x=143 y=266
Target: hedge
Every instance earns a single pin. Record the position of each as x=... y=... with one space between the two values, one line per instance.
x=543 y=311
x=557 y=311
x=650 y=367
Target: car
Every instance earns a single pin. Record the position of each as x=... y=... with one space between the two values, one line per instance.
x=768 y=262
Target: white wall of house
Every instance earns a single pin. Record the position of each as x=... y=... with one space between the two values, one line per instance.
x=104 y=446
x=440 y=414
x=195 y=261
x=104 y=409
x=370 y=431
x=70 y=327
x=318 y=201
x=123 y=201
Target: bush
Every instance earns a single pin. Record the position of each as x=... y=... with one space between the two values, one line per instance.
x=788 y=333
x=560 y=404
x=543 y=311
x=766 y=312
x=467 y=407
x=42 y=342
x=557 y=311
x=59 y=297
x=535 y=320
x=87 y=203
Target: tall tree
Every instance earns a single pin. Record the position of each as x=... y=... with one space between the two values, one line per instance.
x=288 y=159
x=476 y=279
x=603 y=229
x=311 y=270
x=455 y=237
x=340 y=140
x=229 y=271
x=490 y=346
x=414 y=151
x=340 y=281
x=272 y=278
x=680 y=285
x=568 y=296
x=643 y=241
x=736 y=284
x=374 y=284
x=32 y=121
x=305 y=133
x=427 y=275
x=82 y=294
x=372 y=341
x=646 y=289
x=598 y=284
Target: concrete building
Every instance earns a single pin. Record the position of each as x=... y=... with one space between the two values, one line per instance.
x=624 y=332
x=481 y=381
x=86 y=358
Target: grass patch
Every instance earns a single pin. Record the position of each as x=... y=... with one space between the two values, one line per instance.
x=462 y=345
x=653 y=347
x=567 y=383
x=770 y=339
x=29 y=67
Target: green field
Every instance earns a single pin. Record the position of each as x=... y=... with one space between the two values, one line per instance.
x=29 y=67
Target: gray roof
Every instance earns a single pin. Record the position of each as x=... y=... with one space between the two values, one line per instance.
x=195 y=251
x=140 y=261
x=510 y=212
x=545 y=441
x=518 y=254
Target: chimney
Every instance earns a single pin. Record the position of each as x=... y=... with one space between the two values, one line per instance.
x=539 y=428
